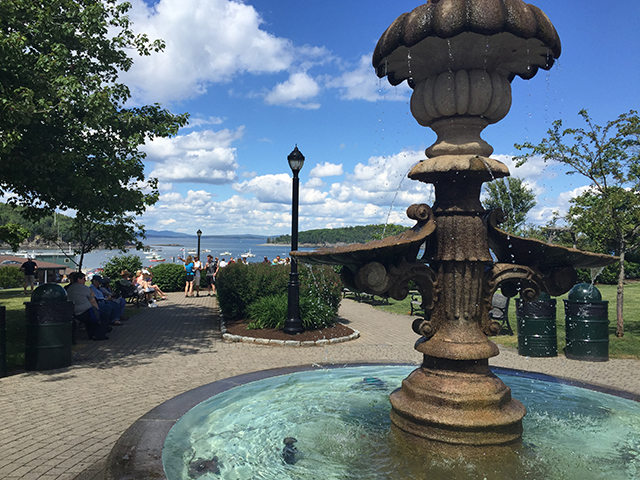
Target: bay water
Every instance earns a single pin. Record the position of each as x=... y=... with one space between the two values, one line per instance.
x=171 y=248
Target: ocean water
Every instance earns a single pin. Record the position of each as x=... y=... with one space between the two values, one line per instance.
x=170 y=248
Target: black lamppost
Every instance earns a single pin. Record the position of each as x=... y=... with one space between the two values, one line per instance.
x=293 y=324
x=199 y=233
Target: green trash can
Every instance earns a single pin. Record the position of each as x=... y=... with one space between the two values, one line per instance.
x=587 y=324
x=537 y=336
x=3 y=342
x=49 y=323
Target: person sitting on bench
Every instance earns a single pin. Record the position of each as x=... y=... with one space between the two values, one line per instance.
x=110 y=296
x=86 y=308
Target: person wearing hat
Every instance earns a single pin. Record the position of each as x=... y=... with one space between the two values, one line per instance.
x=120 y=302
x=105 y=306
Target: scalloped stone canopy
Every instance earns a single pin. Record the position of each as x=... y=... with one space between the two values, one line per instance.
x=509 y=37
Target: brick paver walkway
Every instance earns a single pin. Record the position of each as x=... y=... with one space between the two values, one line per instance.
x=61 y=424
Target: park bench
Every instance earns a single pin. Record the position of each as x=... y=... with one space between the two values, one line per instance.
x=416 y=304
x=500 y=313
x=131 y=293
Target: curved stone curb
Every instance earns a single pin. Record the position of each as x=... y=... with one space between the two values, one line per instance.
x=227 y=337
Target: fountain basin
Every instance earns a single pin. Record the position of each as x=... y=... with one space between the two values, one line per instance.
x=570 y=431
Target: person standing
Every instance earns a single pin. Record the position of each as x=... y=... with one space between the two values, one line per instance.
x=212 y=268
x=197 y=267
x=188 y=268
x=29 y=268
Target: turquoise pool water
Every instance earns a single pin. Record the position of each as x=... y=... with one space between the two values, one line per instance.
x=340 y=419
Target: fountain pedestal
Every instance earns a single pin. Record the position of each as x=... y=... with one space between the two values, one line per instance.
x=457 y=401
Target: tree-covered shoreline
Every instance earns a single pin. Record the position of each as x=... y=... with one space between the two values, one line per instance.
x=325 y=237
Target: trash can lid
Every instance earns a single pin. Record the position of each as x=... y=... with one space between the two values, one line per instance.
x=49 y=293
x=585 y=293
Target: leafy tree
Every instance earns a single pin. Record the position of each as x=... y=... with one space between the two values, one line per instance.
x=13 y=234
x=67 y=141
x=609 y=157
x=514 y=198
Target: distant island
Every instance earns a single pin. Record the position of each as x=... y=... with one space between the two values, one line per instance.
x=328 y=237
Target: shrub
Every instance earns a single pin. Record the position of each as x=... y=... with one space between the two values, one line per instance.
x=235 y=289
x=116 y=265
x=170 y=277
x=320 y=294
x=259 y=292
x=11 y=276
x=268 y=312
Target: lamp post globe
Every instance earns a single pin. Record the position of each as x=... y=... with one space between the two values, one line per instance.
x=293 y=323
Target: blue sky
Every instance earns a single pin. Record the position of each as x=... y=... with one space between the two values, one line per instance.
x=259 y=77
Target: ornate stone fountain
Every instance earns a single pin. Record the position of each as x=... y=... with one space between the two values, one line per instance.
x=459 y=57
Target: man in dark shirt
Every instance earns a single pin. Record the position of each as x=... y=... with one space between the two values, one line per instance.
x=29 y=268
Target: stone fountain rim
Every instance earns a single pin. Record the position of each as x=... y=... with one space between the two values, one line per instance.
x=142 y=443
x=483 y=17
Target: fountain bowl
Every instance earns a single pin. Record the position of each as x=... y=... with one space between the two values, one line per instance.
x=138 y=452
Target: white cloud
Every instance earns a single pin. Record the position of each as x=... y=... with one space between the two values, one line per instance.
x=534 y=169
x=195 y=122
x=166 y=222
x=369 y=194
x=267 y=188
x=295 y=92
x=382 y=181
x=201 y=157
x=207 y=41
x=278 y=189
x=314 y=182
x=326 y=169
x=362 y=83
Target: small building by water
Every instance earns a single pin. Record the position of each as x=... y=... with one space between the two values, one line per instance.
x=47 y=271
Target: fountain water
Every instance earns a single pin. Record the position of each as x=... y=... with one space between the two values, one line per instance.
x=460 y=57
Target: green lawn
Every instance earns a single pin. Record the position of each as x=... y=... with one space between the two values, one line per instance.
x=626 y=347
x=13 y=300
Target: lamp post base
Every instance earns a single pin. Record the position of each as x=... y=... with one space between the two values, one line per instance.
x=293 y=324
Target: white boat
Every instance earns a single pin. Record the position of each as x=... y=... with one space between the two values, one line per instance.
x=248 y=254
x=225 y=253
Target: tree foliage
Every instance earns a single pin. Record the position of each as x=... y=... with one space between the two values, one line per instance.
x=609 y=157
x=514 y=197
x=67 y=141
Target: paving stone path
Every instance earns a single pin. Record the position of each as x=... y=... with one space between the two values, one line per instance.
x=61 y=424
